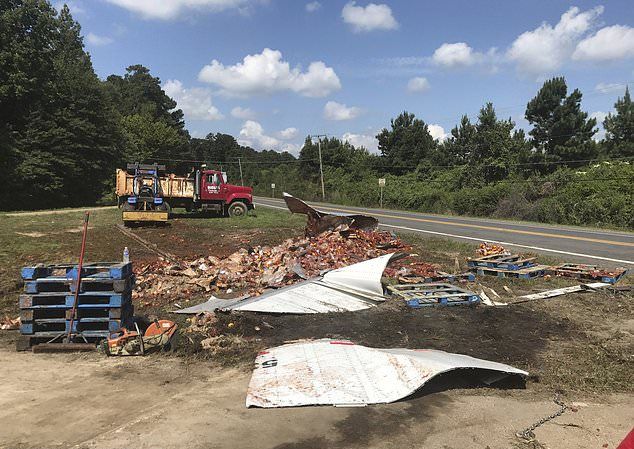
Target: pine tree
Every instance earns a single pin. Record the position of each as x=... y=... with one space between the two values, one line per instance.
x=619 y=128
x=405 y=145
x=561 y=130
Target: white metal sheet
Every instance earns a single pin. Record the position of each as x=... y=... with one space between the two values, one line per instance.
x=347 y=289
x=363 y=277
x=341 y=373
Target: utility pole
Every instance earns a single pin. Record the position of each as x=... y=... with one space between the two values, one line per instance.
x=240 y=165
x=321 y=166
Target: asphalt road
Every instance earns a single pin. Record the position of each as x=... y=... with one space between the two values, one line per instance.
x=574 y=244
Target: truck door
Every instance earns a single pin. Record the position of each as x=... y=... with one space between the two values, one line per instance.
x=212 y=188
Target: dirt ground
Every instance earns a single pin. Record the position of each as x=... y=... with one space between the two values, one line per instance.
x=88 y=401
x=580 y=345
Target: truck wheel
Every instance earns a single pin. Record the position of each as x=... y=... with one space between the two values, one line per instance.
x=237 y=209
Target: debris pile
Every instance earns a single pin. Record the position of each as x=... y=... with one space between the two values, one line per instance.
x=489 y=249
x=252 y=270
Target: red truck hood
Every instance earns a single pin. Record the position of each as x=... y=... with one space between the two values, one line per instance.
x=239 y=189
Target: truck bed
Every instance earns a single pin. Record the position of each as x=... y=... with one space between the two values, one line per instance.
x=172 y=186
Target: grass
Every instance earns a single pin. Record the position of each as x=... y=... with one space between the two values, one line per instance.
x=56 y=238
x=588 y=348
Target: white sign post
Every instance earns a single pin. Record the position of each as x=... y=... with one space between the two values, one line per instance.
x=381 y=186
x=273 y=189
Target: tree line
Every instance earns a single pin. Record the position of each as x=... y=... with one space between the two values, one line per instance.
x=63 y=131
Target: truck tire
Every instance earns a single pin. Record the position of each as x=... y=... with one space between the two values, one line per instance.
x=237 y=209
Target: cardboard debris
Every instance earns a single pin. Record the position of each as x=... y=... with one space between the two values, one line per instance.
x=341 y=373
x=489 y=249
x=9 y=323
x=351 y=288
x=252 y=270
x=319 y=221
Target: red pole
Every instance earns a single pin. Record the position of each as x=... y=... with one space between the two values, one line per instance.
x=79 y=270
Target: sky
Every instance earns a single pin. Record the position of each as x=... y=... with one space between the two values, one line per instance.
x=271 y=72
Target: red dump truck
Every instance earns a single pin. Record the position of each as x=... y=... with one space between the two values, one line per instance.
x=202 y=190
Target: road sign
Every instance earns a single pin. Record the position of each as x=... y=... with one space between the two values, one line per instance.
x=272 y=185
x=381 y=182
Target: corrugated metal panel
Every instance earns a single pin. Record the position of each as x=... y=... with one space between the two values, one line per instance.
x=341 y=373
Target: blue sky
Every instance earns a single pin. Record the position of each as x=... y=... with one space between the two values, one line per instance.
x=345 y=68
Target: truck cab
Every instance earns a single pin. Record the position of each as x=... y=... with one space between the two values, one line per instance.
x=214 y=193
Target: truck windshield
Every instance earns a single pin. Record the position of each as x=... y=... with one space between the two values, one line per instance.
x=213 y=179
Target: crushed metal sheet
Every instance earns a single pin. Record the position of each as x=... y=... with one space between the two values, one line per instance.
x=347 y=289
x=563 y=291
x=319 y=221
x=341 y=373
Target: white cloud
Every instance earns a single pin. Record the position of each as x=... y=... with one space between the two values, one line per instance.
x=288 y=133
x=98 y=41
x=367 y=141
x=437 y=132
x=606 y=88
x=609 y=43
x=266 y=73
x=170 y=9
x=369 y=18
x=313 y=6
x=339 y=111
x=195 y=102
x=242 y=113
x=600 y=116
x=252 y=134
x=454 y=55
x=418 y=84
x=544 y=49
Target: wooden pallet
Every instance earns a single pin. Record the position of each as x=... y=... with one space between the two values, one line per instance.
x=591 y=272
x=523 y=273
x=502 y=261
x=115 y=270
x=62 y=325
x=433 y=294
x=95 y=282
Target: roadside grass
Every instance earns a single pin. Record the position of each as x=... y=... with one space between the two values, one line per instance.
x=585 y=341
x=28 y=239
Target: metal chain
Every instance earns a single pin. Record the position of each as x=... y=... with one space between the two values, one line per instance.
x=527 y=434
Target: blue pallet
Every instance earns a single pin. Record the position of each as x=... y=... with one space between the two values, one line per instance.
x=66 y=300
x=469 y=300
x=47 y=335
x=62 y=325
x=446 y=277
x=433 y=294
x=115 y=270
x=524 y=273
x=50 y=299
x=96 y=282
x=99 y=299
x=38 y=313
x=515 y=262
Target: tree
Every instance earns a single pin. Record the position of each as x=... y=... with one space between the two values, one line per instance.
x=561 y=130
x=142 y=105
x=619 y=128
x=62 y=139
x=405 y=145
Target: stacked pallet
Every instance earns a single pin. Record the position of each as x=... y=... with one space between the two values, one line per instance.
x=507 y=265
x=104 y=301
x=434 y=294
